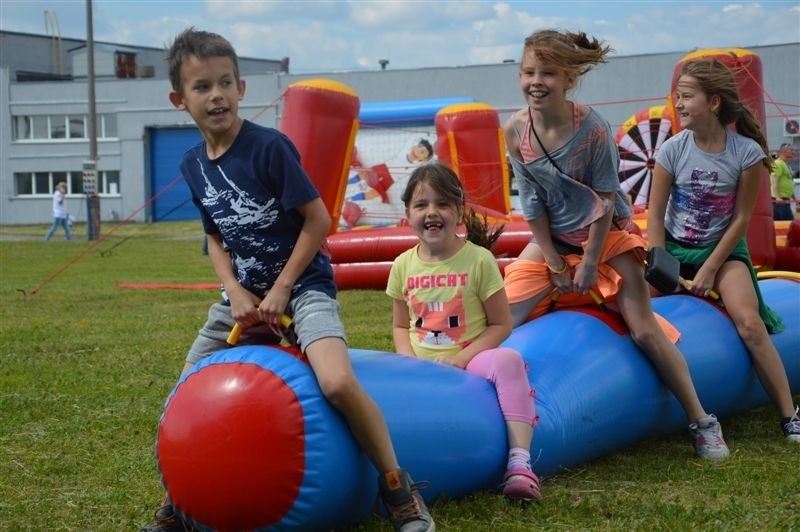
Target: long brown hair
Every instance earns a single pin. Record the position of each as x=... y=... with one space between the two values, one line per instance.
x=716 y=79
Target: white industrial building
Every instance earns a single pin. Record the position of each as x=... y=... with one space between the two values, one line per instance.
x=141 y=137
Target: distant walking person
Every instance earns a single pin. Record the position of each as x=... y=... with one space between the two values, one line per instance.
x=60 y=213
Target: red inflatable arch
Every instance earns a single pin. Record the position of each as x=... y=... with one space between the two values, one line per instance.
x=470 y=140
x=321 y=118
x=747 y=72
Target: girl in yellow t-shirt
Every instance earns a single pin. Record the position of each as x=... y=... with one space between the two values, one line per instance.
x=450 y=307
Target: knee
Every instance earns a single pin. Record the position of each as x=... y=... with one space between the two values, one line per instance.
x=507 y=362
x=646 y=338
x=339 y=389
x=751 y=329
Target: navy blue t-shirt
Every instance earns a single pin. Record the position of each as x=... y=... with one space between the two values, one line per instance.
x=249 y=196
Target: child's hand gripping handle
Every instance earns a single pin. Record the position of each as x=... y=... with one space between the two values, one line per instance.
x=236 y=332
x=598 y=299
x=711 y=292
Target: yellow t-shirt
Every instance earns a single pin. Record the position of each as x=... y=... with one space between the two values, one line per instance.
x=785 y=188
x=445 y=298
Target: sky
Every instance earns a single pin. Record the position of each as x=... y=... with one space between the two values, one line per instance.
x=340 y=35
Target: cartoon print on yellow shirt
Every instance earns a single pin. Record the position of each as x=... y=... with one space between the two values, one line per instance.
x=439 y=322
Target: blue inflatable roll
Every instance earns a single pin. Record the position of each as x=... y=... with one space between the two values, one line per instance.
x=405 y=113
x=254 y=413
x=596 y=392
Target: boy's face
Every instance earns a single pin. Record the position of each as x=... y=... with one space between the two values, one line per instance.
x=210 y=93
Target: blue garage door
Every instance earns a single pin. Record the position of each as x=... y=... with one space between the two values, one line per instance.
x=167 y=146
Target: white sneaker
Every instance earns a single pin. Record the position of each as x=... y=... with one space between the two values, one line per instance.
x=707 y=436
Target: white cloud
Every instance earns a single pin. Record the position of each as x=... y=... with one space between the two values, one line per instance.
x=732 y=8
x=353 y=34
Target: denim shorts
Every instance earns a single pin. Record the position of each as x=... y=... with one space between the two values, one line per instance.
x=315 y=316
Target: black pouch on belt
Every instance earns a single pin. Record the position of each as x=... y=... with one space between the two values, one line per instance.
x=662 y=270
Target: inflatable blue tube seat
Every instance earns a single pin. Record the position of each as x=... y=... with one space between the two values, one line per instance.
x=247 y=441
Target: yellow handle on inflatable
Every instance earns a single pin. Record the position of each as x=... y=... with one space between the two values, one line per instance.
x=711 y=293
x=777 y=274
x=236 y=332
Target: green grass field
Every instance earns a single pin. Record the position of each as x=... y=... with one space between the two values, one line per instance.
x=86 y=366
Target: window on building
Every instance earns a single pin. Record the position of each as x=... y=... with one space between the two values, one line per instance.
x=109 y=129
x=23 y=127
x=61 y=127
x=58 y=126
x=110 y=182
x=40 y=127
x=23 y=183
x=75 y=181
x=28 y=184
x=41 y=183
x=77 y=127
x=58 y=177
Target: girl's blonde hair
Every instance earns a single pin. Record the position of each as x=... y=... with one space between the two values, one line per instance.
x=575 y=53
x=716 y=79
x=446 y=183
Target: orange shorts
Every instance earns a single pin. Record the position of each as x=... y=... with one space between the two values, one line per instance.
x=525 y=279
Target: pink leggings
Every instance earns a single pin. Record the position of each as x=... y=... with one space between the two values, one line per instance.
x=505 y=369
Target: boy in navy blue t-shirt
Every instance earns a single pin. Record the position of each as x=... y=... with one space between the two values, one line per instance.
x=254 y=196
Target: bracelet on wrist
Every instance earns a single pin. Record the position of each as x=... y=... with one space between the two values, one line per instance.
x=555 y=271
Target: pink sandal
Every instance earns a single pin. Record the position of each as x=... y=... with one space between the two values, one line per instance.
x=521 y=484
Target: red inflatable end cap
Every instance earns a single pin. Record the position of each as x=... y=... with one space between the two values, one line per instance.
x=231 y=447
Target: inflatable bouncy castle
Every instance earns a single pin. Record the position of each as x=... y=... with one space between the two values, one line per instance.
x=465 y=133
x=321 y=119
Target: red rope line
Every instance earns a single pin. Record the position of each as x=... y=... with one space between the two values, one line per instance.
x=127 y=220
x=273 y=103
x=743 y=66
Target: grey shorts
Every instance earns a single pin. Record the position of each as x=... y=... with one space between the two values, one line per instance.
x=315 y=316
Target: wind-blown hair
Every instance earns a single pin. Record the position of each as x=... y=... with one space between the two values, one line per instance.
x=575 y=53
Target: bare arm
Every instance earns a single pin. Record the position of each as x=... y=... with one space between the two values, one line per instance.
x=400 y=332
x=586 y=271
x=660 y=186
x=244 y=303
x=511 y=136
x=498 y=321
x=315 y=229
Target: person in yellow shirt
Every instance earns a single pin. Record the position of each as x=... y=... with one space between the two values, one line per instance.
x=782 y=184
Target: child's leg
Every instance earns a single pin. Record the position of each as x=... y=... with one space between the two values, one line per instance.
x=505 y=368
x=735 y=286
x=321 y=335
x=527 y=283
x=633 y=300
x=331 y=364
